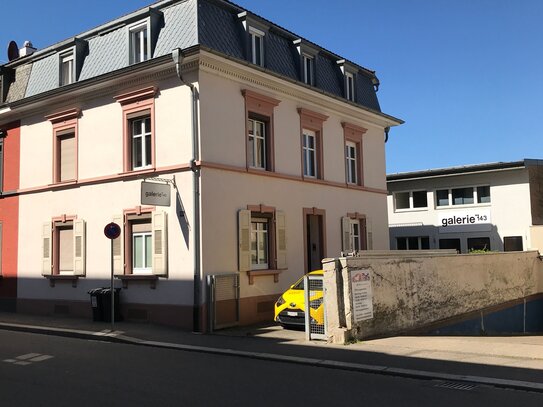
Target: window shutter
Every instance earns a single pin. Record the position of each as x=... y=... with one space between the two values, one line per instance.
x=79 y=247
x=67 y=157
x=244 y=239
x=346 y=234
x=281 y=239
x=370 y=234
x=118 y=248
x=47 y=249
x=160 y=243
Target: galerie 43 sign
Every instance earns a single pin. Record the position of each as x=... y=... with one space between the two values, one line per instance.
x=454 y=221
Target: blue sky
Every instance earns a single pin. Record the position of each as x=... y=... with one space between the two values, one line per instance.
x=465 y=75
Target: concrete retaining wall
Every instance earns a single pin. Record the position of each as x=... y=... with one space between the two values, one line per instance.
x=413 y=289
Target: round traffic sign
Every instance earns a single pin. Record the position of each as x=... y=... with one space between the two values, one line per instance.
x=112 y=230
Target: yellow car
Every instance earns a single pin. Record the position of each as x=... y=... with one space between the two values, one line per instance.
x=290 y=307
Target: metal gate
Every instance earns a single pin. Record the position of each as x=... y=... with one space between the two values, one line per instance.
x=315 y=315
x=223 y=300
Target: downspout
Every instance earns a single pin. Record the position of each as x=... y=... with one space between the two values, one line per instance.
x=178 y=56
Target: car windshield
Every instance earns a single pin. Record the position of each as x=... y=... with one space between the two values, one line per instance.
x=317 y=285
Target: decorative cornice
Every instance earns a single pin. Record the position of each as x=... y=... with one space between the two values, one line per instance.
x=64 y=116
x=353 y=127
x=310 y=113
x=258 y=96
x=137 y=95
x=260 y=77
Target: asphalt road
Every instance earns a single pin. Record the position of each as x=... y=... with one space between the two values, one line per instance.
x=40 y=370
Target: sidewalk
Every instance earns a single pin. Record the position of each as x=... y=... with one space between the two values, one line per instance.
x=512 y=362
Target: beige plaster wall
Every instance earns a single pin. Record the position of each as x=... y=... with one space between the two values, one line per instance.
x=100 y=135
x=224 y=193
x=97 y=204
x=223 y=138
x=411 y=290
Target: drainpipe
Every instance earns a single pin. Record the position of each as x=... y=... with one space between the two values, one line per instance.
x=177 y=56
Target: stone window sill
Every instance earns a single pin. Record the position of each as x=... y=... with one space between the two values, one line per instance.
x=53 y=278
x=138 y=277
x=259 y=273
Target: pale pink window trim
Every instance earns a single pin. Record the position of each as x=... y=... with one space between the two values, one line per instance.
x=58 y=221
x=262 y=105
x=312 y=121
x=354 y=133
x=62 y=122
x=138 y=211
x=132 y=103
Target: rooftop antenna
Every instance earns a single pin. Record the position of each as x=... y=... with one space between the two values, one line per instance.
x=13 y=51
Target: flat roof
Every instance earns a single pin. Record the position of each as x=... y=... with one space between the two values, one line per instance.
x=463 y=169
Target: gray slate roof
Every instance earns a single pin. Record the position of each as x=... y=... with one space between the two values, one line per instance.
x=186 y=23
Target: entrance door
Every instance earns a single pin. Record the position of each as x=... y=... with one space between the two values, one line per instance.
x=314 y=242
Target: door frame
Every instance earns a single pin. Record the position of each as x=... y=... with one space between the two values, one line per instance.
x=322 y=214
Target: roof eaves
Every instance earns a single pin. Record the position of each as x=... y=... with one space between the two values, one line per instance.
x=464 y=169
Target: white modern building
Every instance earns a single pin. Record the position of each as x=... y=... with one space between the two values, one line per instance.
x=495 y=206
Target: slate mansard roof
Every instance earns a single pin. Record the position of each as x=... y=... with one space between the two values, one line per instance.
x=215 y=25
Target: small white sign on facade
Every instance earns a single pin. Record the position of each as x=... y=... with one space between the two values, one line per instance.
x=153 y=193
x=361 y=294
x=467 y=220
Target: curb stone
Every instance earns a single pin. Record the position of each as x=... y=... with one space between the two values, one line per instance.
x=324 y=363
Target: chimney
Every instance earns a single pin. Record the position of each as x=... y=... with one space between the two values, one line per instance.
x=27 y=49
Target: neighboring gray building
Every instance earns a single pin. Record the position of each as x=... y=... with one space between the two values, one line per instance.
x=494 y=206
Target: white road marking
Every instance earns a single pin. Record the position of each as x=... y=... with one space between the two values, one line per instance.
x=28 y=359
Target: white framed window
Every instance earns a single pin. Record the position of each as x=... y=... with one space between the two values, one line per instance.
x=140 y=128
x=349 y=86
x=309 y=151
x=257 y=143
x=352 y=162
x=146 y=248
x=309 y=69
x=410 y=200
x=142 y=252
x=257 y=46
x=262 y=241
x=259 y=243
x=139 y=43
x=354 y=236
x=67 y=68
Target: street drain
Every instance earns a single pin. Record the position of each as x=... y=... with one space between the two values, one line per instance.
x=457 y=385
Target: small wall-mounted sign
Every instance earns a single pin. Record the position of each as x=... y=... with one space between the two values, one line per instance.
x=154 y=193
x=361 y=295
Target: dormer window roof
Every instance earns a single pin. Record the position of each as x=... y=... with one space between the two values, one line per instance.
x=307 y=61
x=143 y=35
x=70 y=61
x=255 y=44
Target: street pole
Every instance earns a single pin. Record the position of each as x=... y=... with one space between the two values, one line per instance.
x=112 y=293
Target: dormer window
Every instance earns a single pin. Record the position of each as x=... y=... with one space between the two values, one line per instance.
x=309 y=69
x=257 y=46
x=67 y=68
x=139 y=43
x=349 y=86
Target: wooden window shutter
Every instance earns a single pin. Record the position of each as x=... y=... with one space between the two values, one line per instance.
x=244 y=240
x=346 y=234
x=47 y=249
x=118 y=248
x=281 y=239
x=370 y=234
x=79 y=247
x=160 y=243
